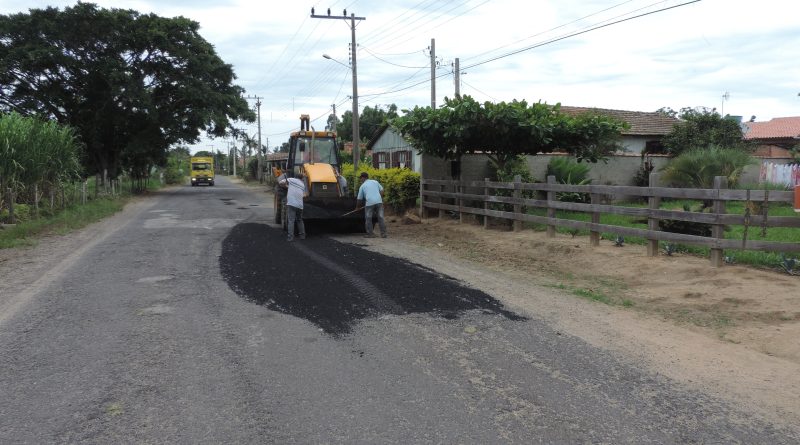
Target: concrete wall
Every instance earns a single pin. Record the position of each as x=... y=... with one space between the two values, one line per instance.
x=620 y=169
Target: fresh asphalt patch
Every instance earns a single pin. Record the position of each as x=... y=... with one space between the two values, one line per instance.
x=334 y=285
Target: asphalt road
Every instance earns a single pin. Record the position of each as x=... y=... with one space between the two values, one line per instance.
x=196 y=322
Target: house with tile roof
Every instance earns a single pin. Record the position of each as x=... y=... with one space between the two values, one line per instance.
x=773 y=138
x=646 y=131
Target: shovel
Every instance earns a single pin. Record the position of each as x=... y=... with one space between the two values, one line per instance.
x=351 y=212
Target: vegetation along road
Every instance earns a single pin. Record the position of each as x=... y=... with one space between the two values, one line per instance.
x=188 y=318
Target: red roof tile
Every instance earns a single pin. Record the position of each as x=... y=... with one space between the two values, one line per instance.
x=642 y=123
x=777 y=128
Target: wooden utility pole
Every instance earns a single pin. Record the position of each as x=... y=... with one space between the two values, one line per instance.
x=458 y=79
x=353 y=51
x=433 y=73
x=258 y=150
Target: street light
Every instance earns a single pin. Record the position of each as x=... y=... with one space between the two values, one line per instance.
x=356 y=136
x=340 y=63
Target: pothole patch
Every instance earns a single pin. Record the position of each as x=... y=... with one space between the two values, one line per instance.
x=157 y=309
x=155 y=279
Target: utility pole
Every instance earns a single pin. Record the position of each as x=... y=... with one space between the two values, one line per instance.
x=433 y=73
x=234 y=150
x=356 y=136
x=458 y=80
x=258 y=152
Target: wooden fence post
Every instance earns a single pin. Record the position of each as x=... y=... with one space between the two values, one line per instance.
x=718 y=230
x=460 y=191
x=83 y=191
x=36 y=200
x=653 y=203
x=421 y=198
x=517 y=207
x=441 y=201
x=594 y=236
x=52 y=198
x=551 y=212
x=485 y=202
x=11 y=218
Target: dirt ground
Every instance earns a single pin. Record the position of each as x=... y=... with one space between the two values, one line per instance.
x=758 y=309
x=732 y=331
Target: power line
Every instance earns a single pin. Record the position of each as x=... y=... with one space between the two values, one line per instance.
x=389 y=27
x=550 y=30
x=387 y=62
x=409 y=30
x=577 y=33
x=476 y=89
x=533 y=47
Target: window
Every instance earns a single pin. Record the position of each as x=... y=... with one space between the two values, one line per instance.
x=381 y=160
x=402 y=159
x=201 y=166
x=324 y=151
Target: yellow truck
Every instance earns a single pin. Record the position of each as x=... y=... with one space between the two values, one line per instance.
x=202 y=171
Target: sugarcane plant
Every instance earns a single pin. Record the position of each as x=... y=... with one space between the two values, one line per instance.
x=35 y=155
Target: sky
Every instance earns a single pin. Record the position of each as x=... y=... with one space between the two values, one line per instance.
x=740 y=57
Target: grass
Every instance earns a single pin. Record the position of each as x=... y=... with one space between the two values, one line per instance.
x=771 y=260
x=604 y=292
x=74 y=217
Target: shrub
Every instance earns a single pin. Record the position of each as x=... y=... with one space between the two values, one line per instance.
x=252 y=168
x=642 y=176
x=698 y=167
x=516 y=166
x=567 y=171
x=401 y=185
x=176 y=170
x=22 y=213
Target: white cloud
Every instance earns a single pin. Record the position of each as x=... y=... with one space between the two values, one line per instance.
x=687 y=56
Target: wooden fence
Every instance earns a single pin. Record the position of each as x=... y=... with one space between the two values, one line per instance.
x=478 y=198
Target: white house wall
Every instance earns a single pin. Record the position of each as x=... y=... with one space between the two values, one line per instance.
x=390 y=142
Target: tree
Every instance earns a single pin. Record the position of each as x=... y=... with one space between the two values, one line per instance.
x=504 y=131
x=181 y=150
x=131 y=84
x=702 y=128
x=332 y=122
x=369 y=120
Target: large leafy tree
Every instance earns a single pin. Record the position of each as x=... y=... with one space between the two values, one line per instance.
x=369 y=120
x=505 y=130
x=701 y=128
x=132 y=84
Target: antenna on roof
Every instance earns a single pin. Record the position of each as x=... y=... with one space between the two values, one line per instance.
x=725 y=97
